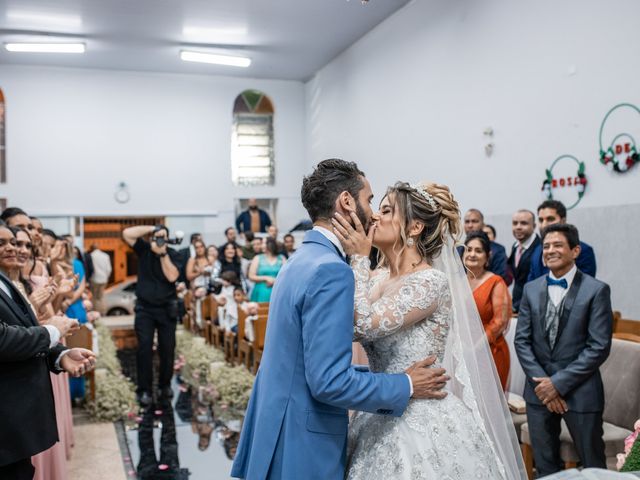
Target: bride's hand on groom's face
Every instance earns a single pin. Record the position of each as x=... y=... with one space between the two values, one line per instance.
x=427 y=381
x=354 y=239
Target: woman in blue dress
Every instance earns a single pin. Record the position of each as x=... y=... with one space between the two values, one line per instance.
x=264 y=270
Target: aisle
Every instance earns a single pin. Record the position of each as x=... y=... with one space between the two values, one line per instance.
x=175 y=437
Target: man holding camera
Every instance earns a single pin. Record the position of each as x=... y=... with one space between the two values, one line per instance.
x=156 y=307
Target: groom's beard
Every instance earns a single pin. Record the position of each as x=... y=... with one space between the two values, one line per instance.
x=364 y=220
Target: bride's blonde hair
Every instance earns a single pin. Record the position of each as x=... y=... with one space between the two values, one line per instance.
x=431 y=204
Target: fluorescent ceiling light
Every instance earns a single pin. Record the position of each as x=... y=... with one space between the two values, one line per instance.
x=45 y=47
x=188 y=56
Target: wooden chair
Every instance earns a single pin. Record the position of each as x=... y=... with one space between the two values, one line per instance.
x=229 y=347
x=625 y=325
x=216 y=332
x=263 y=308
x=627 y=336
x=205 y=311
x=260 y=331
x=83 y=338
x=245 y=348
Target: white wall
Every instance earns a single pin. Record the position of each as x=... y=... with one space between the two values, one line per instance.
x=412 y=98
x=74 y=134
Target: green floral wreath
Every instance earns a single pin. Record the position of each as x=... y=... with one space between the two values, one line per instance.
x=608 y=156
x=548 y=182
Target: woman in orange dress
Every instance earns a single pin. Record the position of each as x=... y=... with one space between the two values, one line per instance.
x=492 y=299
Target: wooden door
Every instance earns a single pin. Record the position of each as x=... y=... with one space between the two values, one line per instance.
x=106 y=234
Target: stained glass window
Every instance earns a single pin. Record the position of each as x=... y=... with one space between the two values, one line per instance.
x=3 y=168
x=252 y=157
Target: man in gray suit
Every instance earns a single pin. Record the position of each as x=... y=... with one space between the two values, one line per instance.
x=562 y=338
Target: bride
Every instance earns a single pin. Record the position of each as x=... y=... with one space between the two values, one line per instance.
x=418 y=303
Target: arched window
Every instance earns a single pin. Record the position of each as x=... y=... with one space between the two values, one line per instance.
x=3 y=157
x=252 y=160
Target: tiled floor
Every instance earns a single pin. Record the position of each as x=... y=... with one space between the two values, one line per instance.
x=96 y=454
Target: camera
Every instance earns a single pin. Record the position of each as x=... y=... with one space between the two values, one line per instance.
x=161 y=241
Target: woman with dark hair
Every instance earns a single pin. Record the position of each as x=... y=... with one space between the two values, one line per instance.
x=492 y=299
x=264 y=269
x=229 y=262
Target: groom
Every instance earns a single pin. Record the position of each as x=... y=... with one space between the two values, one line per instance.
x=296 y=422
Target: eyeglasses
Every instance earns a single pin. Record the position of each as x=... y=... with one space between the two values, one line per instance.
x=22 y=244
x=4 y=242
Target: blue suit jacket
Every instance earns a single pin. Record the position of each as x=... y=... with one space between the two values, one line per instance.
x=586 y=262
x=582 y=344
x=296 y=422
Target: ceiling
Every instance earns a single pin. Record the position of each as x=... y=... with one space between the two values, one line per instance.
x=286 y=39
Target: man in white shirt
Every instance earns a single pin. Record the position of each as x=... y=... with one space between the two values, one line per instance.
x=101 y=273
x=563 y=336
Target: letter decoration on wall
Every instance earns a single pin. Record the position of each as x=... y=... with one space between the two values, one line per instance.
x=621 y=154
x=563 y=182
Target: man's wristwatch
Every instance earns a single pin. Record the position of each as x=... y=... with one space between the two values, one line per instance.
x=162 y=254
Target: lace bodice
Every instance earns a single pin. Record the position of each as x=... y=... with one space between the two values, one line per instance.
x=400 y=321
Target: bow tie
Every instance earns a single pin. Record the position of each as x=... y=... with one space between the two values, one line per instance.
x=558 y=283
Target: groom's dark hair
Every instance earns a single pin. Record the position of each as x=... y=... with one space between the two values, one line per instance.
x=329 y=179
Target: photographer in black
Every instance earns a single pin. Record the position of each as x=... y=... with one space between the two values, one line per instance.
x=156 y=307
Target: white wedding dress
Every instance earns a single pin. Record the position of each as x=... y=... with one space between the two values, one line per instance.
x=401 y=321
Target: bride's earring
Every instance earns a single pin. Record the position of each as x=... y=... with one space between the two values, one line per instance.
x=410 y=242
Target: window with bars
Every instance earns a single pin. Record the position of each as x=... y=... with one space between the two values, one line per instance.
x=252 y=154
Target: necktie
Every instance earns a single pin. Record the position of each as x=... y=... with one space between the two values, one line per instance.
x=559 y=283
x=519 y=252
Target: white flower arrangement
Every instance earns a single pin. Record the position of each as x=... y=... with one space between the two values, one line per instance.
x=115 y=393
x=202 y=367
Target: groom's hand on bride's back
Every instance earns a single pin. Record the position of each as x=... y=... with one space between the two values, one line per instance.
x=427 y=381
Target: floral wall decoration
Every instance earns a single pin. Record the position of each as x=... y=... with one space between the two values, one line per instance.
x=565 y=180
x=618 y=151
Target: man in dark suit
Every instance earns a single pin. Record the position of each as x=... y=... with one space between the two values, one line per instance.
x=27 y=353
x=523 y=224
x=474 y=222
x=551 y=212
x=563 y=336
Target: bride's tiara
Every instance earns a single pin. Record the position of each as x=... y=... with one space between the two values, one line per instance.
x=427 y=196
